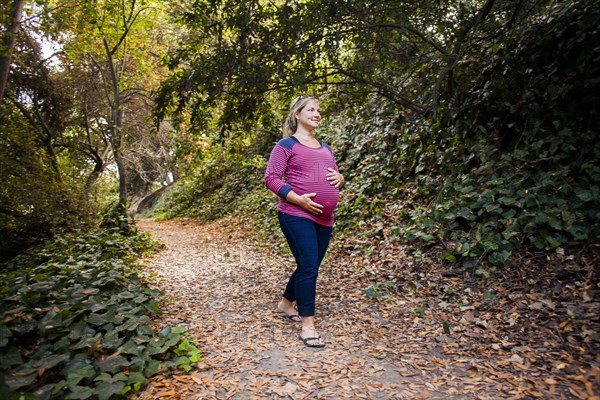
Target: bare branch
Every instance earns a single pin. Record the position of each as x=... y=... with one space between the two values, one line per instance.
x=104 y=81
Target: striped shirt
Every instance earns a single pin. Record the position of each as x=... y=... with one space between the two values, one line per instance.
x=303 y=169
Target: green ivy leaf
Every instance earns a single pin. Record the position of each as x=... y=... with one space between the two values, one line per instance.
x=130 y=325
x=5 y=334
x=113 y=363
x=373 y=292
x=179 y=329
x=498 y=256
x=76 y=375
x=583 y=194
x=184 y=345
x=51 y=361
x=482 y=272
x=130 y=347
x=79 y=393
x=77 y=330
x=450 y=257
x=125 y=295
x=446 y=328
x=507 y=201
x=194 y=356
x=105 y=390
x=97 y=319
x=126 y=390
x=136 y=377
x=111 y=341
x=11 y=357
x=152 y=368
x=16 y=382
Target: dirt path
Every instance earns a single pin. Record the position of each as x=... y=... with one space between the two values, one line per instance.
x=224 y=289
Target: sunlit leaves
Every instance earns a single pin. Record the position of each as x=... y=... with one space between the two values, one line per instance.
x=247 y=48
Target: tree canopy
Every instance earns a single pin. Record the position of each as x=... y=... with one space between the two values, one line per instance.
x=235 y=54
x=78 y=102
x=454 y=89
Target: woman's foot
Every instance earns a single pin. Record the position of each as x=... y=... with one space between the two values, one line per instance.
x=287 y=307
x=310 y=337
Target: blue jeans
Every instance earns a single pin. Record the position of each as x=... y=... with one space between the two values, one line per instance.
x=308 y=242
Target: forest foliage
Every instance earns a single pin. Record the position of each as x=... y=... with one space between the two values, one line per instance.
x=75 y=115
x=475 y=118
x=466 y=126
x=75 y=316
x=479 y=130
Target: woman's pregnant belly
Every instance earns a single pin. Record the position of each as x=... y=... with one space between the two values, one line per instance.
x=314 y=180
x=327 y=196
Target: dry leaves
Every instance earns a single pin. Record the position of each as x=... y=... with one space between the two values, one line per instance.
x=436 y=334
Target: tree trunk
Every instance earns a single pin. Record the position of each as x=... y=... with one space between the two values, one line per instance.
x=116 y=115
x=100 y=161
x=117 y=142
x=8 y=43
x=122 y=182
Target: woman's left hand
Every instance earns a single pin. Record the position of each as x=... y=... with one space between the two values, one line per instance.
x=335 y=178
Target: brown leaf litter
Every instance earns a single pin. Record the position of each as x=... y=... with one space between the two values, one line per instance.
x=426 y=335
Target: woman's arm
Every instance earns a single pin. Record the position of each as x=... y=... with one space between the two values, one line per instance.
x=276 y=170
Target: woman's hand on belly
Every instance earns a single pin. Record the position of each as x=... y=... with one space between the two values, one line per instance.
x=305 y=201
x=335 y=178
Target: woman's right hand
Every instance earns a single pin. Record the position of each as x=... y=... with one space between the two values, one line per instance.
x=305 y=201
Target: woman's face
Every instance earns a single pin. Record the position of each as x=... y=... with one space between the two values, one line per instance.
x=310 y=116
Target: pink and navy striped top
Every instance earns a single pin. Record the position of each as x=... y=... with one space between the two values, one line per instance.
x=303 y=169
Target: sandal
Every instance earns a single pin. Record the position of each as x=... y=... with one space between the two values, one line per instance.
x=307 y=341
x=293 y=317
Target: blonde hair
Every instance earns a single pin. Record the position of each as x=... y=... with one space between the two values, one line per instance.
x=291 y=123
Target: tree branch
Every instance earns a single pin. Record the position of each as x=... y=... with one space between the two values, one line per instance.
x=457 y=52
x=9 y=211
x=128 y=23
x=104 y=81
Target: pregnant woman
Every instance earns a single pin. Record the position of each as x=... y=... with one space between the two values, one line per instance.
x=303 y=173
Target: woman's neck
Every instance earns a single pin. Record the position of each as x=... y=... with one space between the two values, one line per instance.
x=307 y=138
x=304 y=133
